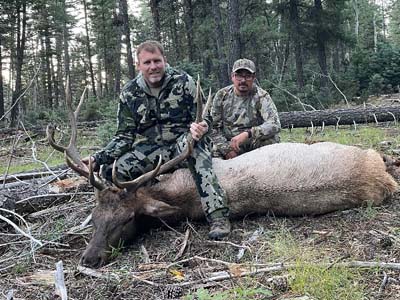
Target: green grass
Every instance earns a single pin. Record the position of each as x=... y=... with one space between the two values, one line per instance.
x=309 y=275
x=23 y=159
x=365 y=136
x=237 y=293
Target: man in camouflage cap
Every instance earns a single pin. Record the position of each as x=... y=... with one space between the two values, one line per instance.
x=156 y=111
x=244 y=117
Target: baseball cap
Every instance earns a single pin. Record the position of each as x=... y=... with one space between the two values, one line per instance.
x=244 y=63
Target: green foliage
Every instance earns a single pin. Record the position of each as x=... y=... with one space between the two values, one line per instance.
x=117 y=251
x=326 y=283
x=106 y=131
x=238 y=293
x=379 y=69
x=43 y=116
x=376 y=84
x=369 y=212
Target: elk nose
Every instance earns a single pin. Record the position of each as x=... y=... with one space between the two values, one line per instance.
x=91 y=261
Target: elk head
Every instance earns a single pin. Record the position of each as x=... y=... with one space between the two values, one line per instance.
x=118 y=204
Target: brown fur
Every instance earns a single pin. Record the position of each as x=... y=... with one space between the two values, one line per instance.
x=284 y=179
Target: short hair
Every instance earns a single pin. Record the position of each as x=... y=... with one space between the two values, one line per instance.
x=150 y=46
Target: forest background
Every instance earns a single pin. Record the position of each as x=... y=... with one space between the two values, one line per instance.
x=315 y=51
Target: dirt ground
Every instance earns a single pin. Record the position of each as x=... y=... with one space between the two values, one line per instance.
x=170 y=261
x=142 y=272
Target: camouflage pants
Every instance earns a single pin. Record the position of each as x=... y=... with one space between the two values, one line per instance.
x=143 y=158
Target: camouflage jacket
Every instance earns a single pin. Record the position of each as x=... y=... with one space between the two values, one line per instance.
x=232 y=114
x=144 y=118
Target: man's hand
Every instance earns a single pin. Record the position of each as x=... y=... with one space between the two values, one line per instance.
x=86 y=159
x=239 y=139
x=198 y=130
x=231 y=154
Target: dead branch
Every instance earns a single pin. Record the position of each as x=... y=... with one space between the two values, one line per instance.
x=61 y=289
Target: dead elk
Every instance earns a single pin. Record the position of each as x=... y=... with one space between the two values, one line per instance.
x=286 y=179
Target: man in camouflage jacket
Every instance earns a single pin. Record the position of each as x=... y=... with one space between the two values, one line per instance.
x=156 y=111
x=244 y=117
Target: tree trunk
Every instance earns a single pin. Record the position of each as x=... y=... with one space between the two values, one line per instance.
x=356 y=18
x=339 y=116
x=65 y=45
x=89 y=50
x=21 y=37
x=296 y=34
x=320 y=38
x=234 y=32
x=188 y=19
x=118 y=28
x=176 y=44
x=2 y=110
x=155 y=12
x=48 y=56
x=223 y=70
x=59 y=86
x=127 y=33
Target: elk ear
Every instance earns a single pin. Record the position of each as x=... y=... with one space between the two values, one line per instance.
x=155 y=208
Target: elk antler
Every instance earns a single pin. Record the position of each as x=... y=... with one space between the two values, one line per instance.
x=134 y=184
x=71 y=152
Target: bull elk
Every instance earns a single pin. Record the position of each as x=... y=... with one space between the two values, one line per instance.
x=287 y=179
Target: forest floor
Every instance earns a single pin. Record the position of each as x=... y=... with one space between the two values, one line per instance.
x=257 y=261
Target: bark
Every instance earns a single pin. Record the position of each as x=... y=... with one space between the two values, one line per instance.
x=321 y=47
x=118 y=28
x=89 y=50
x=356 y=18
x=174 y=30
x=234 y=32
x=1 y=83
x=127 y=33
x=155 y=13
x=296 y=34
x=188 y=19
x=65 y=45
x=21 y=38
x=339 y=116
x=223 y=70
x=48 y=56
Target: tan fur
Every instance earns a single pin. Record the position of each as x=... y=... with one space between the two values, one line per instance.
x=283 y=179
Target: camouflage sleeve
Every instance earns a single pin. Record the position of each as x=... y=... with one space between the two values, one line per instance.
x=219 y=140
x=123 y=139
x=269 y=113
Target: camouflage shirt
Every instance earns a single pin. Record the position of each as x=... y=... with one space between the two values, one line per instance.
x=232 y=114
x=146 y=119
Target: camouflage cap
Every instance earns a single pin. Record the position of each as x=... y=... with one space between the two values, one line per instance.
x=244 y=63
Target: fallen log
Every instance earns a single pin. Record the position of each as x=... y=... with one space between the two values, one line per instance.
x=346 y=116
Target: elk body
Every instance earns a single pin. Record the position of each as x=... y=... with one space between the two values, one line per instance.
x=286 y=179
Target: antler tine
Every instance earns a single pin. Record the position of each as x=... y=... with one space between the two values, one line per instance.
x=50 y=138
x=136 y=183
x=94 y=180
x=88 y=174
x=72 y=150
x=208 y=104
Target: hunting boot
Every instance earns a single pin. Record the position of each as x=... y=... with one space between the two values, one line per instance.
x=220 y=228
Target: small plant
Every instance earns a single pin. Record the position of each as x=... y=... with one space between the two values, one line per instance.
x=326 y=283
x=238 y=293
x=117 y=251
x=369 y=212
